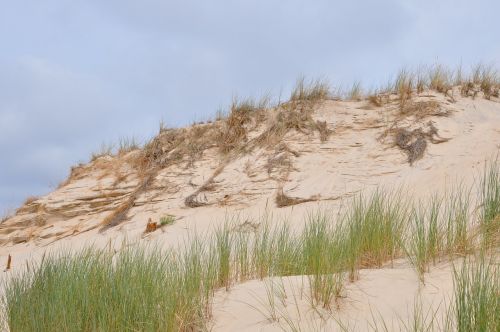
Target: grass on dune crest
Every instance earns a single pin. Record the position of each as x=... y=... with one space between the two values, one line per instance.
x=229 y=131
x=149 y=289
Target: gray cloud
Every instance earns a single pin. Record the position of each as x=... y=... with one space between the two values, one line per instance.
x=77 y=73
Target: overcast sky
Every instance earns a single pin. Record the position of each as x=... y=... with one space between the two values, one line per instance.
x=75 y=73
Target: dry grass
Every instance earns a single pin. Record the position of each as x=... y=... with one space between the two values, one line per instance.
x=313 y=91
x=105 y=150
x=5 y=216
x=414 y=142
x=291 y=116
x=404 y=88
x=192 y=200
x=126 y=145
x=356 y=92
x=323 y=130
x=440 y=79
x=481 y=79
x=120 y=212
x=229 y=134
x=423 y=109
x=234 y=130
x=30 y=199
x=283 y=200
x=376 y=99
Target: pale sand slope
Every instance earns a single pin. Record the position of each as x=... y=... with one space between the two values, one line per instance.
x=353 y=159
x=389 y=292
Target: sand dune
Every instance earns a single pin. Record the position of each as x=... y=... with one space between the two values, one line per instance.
x=360 y=154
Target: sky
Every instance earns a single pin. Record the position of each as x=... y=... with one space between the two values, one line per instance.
x=75 y=74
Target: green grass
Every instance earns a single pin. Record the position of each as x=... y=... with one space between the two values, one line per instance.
x=167 y=220
x=457 y=216
x=490 y=204
x=313 y=91
x=477 y=297
x=137 y=289
x=475 y=305
x=419 y=319
x=423 y=244
x=372 y=230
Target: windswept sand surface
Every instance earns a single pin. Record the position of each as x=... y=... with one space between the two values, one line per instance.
x=356 y=157
x=389 y=292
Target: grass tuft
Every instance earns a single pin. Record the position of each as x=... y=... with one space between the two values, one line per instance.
x=313 y=91
x=490 y=204
x=477 y=302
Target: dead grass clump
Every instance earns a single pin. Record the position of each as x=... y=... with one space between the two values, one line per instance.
x=323 y=130
x=120 y=212
x=173 y=146
x=31 y=199
x=423 y=109
x=288 y=117
x=233 y=133
x=192 y=200
x=375 y=100
x=414 y=142
x=283 y=200
x=281 y=159
x=229 y=133
x=312 y=91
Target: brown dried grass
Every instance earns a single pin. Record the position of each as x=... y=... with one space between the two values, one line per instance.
x=192 y=200
x=30 y=199
x=312 y=91
x=283 y=200
x=414 y=142
x=423 y=109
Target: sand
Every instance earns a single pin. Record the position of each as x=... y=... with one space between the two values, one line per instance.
x=355 y=158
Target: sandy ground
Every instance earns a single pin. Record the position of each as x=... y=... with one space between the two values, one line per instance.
x=353 y=159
